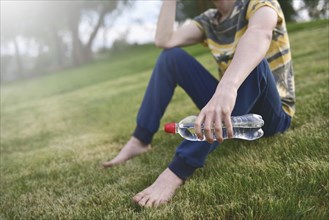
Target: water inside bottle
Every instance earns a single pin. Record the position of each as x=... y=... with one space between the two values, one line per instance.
x=247 y=121
x=246 y=127
x=187 y=131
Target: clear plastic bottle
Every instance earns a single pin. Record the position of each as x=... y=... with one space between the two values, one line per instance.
x=246 y=127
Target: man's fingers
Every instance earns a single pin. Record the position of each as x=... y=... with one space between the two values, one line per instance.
x=211 y=122
x=228 y=125
x=198 y=126
x=218 y=129
x=207 y=126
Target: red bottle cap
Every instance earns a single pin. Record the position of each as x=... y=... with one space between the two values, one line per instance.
x=170 y=128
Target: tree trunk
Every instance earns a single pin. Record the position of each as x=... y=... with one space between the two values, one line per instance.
x=83 y=53
x=87 y=49
x=76 y=42
x=58 y=47
x=20 y=68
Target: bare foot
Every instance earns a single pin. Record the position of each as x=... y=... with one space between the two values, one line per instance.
x=160 y=192
x=133 y=148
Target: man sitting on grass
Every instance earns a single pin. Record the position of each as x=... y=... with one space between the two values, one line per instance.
x=249 y=41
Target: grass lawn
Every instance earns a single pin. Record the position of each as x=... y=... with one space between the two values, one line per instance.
x=57 y=129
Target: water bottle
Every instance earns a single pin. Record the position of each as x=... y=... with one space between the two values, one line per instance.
x=246 y=127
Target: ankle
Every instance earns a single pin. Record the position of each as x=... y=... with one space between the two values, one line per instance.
x=172 y=177
x=137 y=142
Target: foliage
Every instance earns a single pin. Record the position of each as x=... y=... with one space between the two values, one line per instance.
x=55 y=131
x=317 y=8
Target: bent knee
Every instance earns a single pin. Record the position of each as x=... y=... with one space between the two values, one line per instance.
x=173 y=53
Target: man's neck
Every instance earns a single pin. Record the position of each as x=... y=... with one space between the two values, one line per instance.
x=225 y=9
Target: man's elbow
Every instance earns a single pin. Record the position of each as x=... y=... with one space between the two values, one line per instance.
x=161 y=44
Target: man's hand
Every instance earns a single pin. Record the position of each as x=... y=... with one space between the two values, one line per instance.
x=217 y=111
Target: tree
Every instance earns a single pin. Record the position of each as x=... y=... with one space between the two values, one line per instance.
x=55 y=26
x=12 y=29
x=72 y=12
x=316 y=8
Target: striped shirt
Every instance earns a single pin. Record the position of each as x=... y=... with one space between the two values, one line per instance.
x=222 y=39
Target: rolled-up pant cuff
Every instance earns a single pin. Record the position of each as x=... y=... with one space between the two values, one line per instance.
x=179 y=167
x=143 y=135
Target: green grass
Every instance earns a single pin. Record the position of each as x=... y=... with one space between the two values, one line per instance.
x=55 y=131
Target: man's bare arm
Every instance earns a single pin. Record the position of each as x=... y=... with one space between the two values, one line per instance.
x=167 y=37
x=251 y=49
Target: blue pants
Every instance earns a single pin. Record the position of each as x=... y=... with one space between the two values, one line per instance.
x=258 y=94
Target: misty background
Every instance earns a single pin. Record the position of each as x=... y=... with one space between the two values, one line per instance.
x=42 y=37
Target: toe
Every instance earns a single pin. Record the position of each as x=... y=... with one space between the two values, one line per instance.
x=107 y=164
x=143 y=201
x=157 y=203
x=138 y=197
x=150 y=203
